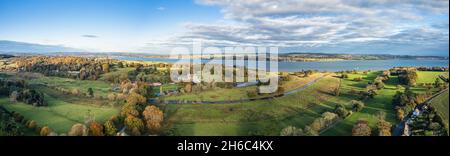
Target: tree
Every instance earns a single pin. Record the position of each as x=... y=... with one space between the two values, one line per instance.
x=31 y=124
x=357 y=105
x=120 y=65
x=45 y=131
x=129 y=109
x=90 y=92
x=110 y=128
x=379 y=84
x=105 y=67
x=308 y=131
x=408 y=77
x=400 y=114
x=78 y=130
x=95 y=129
x=188 y=88
x=153 y=117
x=14 y=96
x=341 y=111
x=361 y=128
x=384 y=128
x=136 y=99
x=291 y=131
x=437 y=83
x=134 y=124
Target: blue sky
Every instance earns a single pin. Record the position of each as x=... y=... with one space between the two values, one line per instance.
x=333 y=26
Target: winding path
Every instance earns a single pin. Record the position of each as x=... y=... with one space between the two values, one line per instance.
x=245 y=100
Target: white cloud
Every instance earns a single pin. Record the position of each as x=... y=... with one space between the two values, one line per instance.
x=161 y=8
x=298 y=23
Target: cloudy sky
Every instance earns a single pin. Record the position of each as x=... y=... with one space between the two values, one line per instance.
x=415 y=27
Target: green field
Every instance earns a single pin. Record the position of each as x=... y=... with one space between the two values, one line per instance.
x=266 y=117
x=222 y=94
x=100 y=88
x=381 y=102
x=117 y=73
x=59 y=115
x=429 y=76
x=441 y=105
x=299 y=110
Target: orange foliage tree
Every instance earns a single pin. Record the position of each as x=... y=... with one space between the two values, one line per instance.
x=95 y=129
x=153 y=117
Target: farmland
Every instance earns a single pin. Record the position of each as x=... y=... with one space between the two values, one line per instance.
x=258 y=117
x=441 y=105
x=59 y=115
x=123 y=95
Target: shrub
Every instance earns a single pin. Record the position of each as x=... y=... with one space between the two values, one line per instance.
x=45 y=131
x=384 y=128
x=291 y=131
x=78 y=130
x=357 y=105
x=357 y=79
x=361 y=128
x=31 y=124
x=95 y=129
x=134 y=124
x=341 y=111
x=110 y=128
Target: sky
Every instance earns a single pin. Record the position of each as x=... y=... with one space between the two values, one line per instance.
x=402 y=27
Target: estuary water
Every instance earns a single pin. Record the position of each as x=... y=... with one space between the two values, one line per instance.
x=331 y=66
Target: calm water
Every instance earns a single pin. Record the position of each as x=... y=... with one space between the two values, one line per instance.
x=330 y=65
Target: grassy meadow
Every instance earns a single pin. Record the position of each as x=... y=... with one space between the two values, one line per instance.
x=441 y=105
x=264 y=117
x=59 y=115
x=224 y=94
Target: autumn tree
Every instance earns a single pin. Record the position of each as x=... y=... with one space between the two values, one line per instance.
x=188 y=88
x=78 y=130
x=340 y=110
x=120 y=65
x=129 y=109
x=153 y=118
x=105 y=67
x=308 y=131
x=357 y=105
x=110 y=128
x=45 y=131
x=291 y=131
x=361 y=128
x=32 y=124
x=384 y=128
x=400 y=114
x=136 y=99
x=134 y=124
x=95 y=129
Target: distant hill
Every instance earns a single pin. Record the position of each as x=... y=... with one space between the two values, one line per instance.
x=358 y=56
x=10 y=47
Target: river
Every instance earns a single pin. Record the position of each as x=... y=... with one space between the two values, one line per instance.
x=327 y=65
